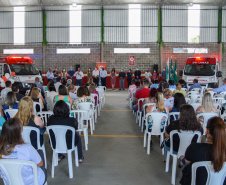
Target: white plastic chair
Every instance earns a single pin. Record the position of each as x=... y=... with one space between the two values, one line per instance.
x=96 y=107
x=156 y=128
x=61 y=146
x=87 y=106
x=103 y=87
x=195 y=105
x=44 y=115
x=139 y=111
x=197 y=89
x=144 y=114
x=101 y=96
x=212 y=93
x=79 y=114
x=13 y=170
x=188 y=100
x=11 y=112
x=193 y=93
x=26 y=136
x=213 y=178
x=185 y=140
x=172 y=89
x=34 y=107
x=185 y=89
x=206 y=116
x=173 y=114
x=131 y=100
x=194 y=97
x=27 y=92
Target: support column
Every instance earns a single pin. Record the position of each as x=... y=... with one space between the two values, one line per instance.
x=44 y=41
x=102 y=36
x=44 y=58
x=102 y=52
x=160 y=41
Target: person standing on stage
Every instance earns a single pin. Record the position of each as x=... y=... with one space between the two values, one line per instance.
x=56 y=74
x=121 y=76
x=89 y=76
x=71 y=73
x=148 y=75
x=113 y=78
x=164 y=74
x=129 y=77
x=79 y=75
x=137 y=74
x=103 y=75
x=49 y=75
x=96 y=75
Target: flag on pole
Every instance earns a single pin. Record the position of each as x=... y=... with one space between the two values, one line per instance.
x=171 y=70
x=175 y=72
x=167 y=71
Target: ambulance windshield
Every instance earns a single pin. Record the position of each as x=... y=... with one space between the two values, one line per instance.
x=24 y=69
x=200 y=69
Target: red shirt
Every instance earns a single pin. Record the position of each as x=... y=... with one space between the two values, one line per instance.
x=143 y=93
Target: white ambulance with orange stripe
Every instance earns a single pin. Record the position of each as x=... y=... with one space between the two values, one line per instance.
x=22 y=70
x=205 y=69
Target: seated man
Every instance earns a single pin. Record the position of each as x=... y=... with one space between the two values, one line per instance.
x=8 y=86
x=143 y=93
x=15 y=89
x=195 y=85
x=220 y=89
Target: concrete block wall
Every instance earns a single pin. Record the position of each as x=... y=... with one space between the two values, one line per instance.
x=167 y=52
x=37 y=56
x=62 y=61
x=143 y=61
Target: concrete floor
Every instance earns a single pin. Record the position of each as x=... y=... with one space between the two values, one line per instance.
x=114 y=157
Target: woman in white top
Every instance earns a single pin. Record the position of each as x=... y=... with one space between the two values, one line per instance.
x=50 y=95
x=71 y=90
x=12 y=147
x=148 y=75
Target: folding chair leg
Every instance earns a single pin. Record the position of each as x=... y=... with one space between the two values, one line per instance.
x=53 y=164
x=91 y=126
x=85 y=138
x=70 y=167
x=149 y=144
x=167 y=161
x=173 y=178
x=145 y=139
x=44 y=153
x=76 y=157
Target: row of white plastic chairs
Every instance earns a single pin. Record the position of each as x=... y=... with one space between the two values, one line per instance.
x=156 y=130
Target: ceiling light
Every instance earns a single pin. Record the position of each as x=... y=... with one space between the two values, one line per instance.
x=190 y=4
x=74 y=4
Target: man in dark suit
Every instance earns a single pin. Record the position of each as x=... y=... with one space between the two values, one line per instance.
x=137 y=74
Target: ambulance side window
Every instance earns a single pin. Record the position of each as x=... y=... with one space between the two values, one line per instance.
x=6 y=69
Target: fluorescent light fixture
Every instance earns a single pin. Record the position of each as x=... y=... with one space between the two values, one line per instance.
x=18 y=51
x=190 y=50
x=72 y=50
x=19 y=24
x=134 y=23
x=131 y=50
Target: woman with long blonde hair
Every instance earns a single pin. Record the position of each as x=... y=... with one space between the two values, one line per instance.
x=25 y=114
x=159 y=107
x=207 y=106
x=35 y=97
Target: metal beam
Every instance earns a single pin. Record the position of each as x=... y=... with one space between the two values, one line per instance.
x=41 y=4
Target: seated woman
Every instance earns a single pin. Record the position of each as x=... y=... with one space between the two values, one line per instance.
x=10 y=102
x=92 y=89
x=63 y=95
x=179 y=90
x=39 y=95
x=169 y=99
x=71 y=89
x=25 y=114
x=178 y=101
x=172 y=85
x=183 y=83
x=83 y=96
x=212 y=150
x=207 y=105
x=61 y=117
x=50 y=95
x=151 y=98
x=186 y=122
x=35 y=97
x=49 y=83
x=12 y=146
x=159 y=107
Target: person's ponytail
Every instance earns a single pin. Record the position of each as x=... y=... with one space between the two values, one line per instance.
x=219 y=145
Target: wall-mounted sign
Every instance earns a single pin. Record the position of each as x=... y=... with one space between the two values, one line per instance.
x=131 y=60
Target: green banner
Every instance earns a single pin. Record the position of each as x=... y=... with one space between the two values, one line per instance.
x=175 y=72
x=171 y=70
